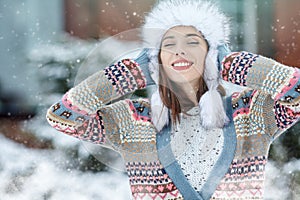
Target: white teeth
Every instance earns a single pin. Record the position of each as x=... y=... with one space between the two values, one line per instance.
x=181 y=64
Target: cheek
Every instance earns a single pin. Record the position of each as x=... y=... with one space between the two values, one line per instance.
x=165 y=56
x=200 y=60
x=199 y=54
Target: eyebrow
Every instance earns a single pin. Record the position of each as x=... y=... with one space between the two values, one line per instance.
x=168 y=37
x=193 y=34
x=187 y=35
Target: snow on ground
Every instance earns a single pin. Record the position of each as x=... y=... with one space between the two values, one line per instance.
x=30 y=174
x=279 y=182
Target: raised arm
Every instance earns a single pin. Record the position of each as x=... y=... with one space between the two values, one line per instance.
x=79 y=112
x=276 y=86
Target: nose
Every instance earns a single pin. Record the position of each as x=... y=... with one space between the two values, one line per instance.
x=180 y=50
x=180 y=53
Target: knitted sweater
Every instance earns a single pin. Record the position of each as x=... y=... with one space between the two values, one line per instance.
x=92 y=112
x=196 y=149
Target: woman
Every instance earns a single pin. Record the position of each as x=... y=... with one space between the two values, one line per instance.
x=190 y=142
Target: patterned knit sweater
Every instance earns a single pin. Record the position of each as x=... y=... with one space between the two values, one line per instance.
x=92 y=112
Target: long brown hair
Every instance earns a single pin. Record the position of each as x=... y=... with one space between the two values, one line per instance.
x=168 y=97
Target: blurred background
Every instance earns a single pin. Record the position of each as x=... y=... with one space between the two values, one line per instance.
x=43 y=46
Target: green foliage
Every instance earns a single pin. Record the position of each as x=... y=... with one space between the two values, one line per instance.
x=82 y=163
x=287 y=146
x=92 y=164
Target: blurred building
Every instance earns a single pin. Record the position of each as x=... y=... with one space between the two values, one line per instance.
x=267 y=27
x=97 y=18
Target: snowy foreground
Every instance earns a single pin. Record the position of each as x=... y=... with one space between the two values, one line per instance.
x=31 y=174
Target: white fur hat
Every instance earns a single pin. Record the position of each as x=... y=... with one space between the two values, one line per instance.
x=205 y=17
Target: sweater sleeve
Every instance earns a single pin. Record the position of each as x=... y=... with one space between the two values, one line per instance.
x=82 y=112
x=273 y=83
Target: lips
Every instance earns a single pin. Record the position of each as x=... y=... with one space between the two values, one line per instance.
x=181 y=64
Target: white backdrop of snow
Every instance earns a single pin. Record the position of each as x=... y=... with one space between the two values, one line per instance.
x=29 y=174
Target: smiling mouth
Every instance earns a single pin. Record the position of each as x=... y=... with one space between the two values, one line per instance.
x=181 y=65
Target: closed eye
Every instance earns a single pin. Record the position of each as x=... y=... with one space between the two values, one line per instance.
x=169 y=44
x=193 y=43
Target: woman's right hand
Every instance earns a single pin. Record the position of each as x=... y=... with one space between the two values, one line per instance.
x=223 y=51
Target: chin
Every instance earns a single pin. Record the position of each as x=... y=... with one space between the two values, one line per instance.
x=184 y=80
x=183 y=77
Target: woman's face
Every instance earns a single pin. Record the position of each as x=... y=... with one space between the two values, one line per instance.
x=183 y=53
